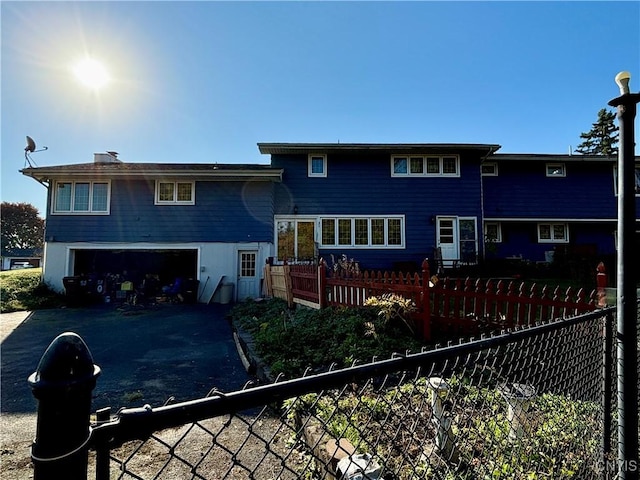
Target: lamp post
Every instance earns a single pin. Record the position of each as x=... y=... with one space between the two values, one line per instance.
x=626 y=285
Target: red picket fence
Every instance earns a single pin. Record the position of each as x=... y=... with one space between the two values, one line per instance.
x=461 y=307
x=468 y=307
x=353 y=290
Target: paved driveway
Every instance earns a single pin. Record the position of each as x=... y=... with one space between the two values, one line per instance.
x=146 y=354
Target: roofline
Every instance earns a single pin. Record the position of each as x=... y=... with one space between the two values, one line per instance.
x=555 y=157
x=275 y=148
x=208 y=171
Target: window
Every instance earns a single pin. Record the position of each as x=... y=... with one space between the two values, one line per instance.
x=556 y=170
x=637 y=180
x=175 y=193
x=492 y=232
x=81 y=197
x=362 y=232
x=317 y=166
x=429 y=166
x=489 y=169
x=553 y=233
x=344 y=231
x=328 y=231
x=295 y=239
x=247 y=264
x=399 y=166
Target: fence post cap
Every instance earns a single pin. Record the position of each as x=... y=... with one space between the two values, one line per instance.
x=66 y=362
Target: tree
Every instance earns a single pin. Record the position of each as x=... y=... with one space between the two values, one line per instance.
x=20 y=226
x=602 y=138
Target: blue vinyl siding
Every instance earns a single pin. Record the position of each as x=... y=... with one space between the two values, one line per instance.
x=522 y=190
x=361 y=184
x=223 y=212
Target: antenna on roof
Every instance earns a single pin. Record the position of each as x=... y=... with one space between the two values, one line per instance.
x=31 y=148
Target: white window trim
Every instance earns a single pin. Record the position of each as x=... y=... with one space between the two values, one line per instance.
x=157 y=200
x=369 y=245
x=562 y=167
x=424 y=169
x=81 y=212
x=498 y=238
x=310 y=163
x=553 y=240
x=489 y=174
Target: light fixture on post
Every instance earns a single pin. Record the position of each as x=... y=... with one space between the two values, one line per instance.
x=627 y=297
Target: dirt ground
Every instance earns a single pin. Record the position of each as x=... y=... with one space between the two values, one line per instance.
x=170 y=351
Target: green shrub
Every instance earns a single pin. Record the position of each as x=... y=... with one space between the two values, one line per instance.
x=291 y=341
x=24 y=290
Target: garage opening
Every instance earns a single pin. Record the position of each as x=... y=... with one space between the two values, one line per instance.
x=165 y=265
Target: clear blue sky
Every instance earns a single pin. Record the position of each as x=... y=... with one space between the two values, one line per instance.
x=206 y=81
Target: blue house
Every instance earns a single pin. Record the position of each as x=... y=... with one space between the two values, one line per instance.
x=206 y=222
x=385 y=205
x=537 y=206
x=388 y=206
x=393 y=205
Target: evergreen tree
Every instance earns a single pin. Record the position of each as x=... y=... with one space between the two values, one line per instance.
x=602 y=138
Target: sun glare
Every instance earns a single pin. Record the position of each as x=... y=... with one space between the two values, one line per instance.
x=91 y=73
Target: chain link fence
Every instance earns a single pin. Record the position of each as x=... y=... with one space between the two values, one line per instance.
x=533 y=403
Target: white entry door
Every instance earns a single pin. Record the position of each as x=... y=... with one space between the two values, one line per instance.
x=447 y=240
x=248 y=279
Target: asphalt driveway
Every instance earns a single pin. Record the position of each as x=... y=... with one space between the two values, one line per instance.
x=146 y=354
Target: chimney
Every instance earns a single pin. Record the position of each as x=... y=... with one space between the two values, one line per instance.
x=109 y=157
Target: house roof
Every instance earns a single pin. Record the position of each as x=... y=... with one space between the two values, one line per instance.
x=550 y=157
x=396 y=148
x=205 y=171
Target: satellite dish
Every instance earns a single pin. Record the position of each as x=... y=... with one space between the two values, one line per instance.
x=31 y=148
x=31 y=145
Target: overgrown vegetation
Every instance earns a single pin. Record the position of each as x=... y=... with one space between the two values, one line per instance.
x=291 y=341
x=24 y=290
x=558 y=441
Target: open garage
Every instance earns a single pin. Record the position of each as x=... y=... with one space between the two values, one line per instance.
x=147 y=271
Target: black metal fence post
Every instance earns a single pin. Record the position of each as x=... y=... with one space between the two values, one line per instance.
x=63 y=383
x=607 y=387
x=627 y=339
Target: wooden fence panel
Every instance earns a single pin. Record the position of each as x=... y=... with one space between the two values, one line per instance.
x=277 y=282
x=305 y=286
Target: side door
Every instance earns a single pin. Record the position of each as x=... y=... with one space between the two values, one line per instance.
x=248 y=279
x=447 y=240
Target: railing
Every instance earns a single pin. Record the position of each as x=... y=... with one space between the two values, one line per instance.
x=537 y=402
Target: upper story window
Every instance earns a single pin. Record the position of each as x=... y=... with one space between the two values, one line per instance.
x=421 y=166
x=175 y=193
x=489 y=169
x=81 y=197
x=317 y=166
x=556 y=170
x=553 y=233
x=637 y=179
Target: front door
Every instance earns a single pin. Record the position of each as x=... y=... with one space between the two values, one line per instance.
x=457 y=238
x=447 y=240
x=248 y=280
